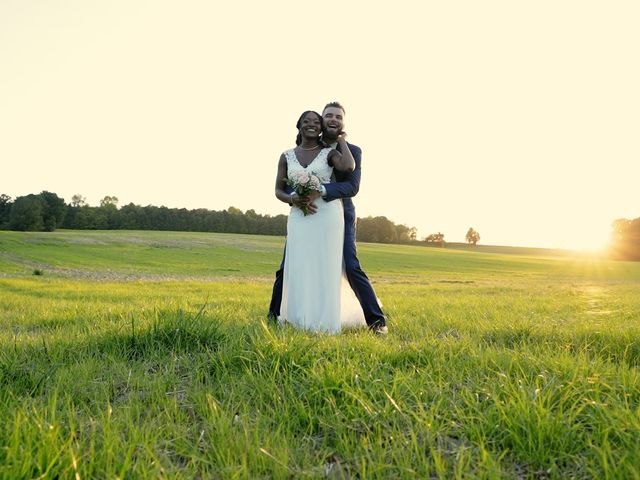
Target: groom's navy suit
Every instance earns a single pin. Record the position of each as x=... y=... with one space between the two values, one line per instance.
x=346 y=186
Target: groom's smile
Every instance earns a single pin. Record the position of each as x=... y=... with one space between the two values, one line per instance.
x=333 y=118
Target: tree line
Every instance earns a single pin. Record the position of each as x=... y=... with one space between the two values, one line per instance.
x=47 y=211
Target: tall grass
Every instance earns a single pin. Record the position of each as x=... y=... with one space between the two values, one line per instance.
x=497 y=367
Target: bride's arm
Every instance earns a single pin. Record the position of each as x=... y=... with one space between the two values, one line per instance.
x=342 y=160
x=281 y=193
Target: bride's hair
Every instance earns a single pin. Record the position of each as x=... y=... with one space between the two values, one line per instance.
x=299 y=124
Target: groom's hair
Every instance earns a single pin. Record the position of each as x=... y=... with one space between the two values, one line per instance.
x=299 y=124
x=334 y=104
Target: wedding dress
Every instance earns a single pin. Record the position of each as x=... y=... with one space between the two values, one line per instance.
x=316 y=295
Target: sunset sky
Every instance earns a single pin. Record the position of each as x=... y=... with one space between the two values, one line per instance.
x=520 y=119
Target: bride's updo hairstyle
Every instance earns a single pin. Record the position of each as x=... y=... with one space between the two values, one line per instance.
x=299 y=124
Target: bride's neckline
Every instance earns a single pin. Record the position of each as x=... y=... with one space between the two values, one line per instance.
x=309 y=164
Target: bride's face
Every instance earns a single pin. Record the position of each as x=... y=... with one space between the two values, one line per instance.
x=311 y=126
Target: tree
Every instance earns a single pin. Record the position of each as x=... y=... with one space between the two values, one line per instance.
x=109 y=201
x=26 y=214
x=78 y=200
x=435 y=238
x=5 y=210
x=472 y=236
x=234 y=220
x=53 y=210
x=625 y=239
x=403 y=233
x=107 y=215
x=376 y=230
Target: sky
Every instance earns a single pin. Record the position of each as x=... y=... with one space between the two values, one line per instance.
x=519 y=119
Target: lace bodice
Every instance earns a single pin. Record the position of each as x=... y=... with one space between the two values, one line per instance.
x=319 y=166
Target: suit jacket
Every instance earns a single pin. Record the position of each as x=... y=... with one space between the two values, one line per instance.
x=346 y=186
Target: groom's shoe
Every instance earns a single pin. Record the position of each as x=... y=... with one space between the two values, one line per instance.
x=378 y=329
x=272 y=317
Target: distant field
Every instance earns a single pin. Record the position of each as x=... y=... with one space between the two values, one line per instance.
x=145 y=354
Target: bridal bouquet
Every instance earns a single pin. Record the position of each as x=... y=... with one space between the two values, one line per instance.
x=303 y=183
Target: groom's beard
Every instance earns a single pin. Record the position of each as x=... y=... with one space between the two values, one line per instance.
x=329 y=138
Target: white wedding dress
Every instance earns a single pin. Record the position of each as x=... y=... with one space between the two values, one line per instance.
x=316 y=295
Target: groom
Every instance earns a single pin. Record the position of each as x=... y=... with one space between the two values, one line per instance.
x=345 y=187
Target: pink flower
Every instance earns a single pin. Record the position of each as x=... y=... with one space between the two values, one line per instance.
x=314 y=182
x=302 y=178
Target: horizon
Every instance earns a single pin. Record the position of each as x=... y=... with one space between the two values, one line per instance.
x=419 y=238
x=517 y=120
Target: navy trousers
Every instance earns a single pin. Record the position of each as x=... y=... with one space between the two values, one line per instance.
x=355 y=275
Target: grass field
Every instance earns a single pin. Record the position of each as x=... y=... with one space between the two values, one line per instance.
x=145 y=355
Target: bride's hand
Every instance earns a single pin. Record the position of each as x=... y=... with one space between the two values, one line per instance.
x=305 y=201
x=299 y=200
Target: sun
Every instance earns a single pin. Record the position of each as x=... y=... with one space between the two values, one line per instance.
x=595 y=241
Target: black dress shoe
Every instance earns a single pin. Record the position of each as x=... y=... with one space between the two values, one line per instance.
x=272 y=317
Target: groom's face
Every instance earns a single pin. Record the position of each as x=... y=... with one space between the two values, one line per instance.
x=333 y=121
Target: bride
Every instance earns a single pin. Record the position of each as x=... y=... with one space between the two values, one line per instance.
x=316 y=295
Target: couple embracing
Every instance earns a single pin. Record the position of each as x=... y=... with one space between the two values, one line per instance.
x=320 y=285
